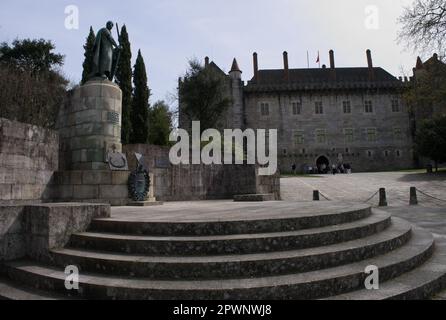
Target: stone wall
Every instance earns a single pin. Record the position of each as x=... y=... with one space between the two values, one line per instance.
x=199 y=182
x=28 y=159
x=33 y=230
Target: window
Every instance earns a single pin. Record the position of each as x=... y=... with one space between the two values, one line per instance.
x=285 y=151
x=398 y=153
x=371 y=134
x=397 y=133
x=368 y=106
x=369 y=153
x=304 y=151
x=264 y=109
x=386 y=153
x=349 y=135
x=318 y=107
x=299 y=137
x=321 y=136
x=297 y=108
x=396 y=106
x=347 y=107
x=347 y=150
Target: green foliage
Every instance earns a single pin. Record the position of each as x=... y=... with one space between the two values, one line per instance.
x=160 y=124
x=140 y=103
x=89 y=55
x=124 y=79
x=431 y=140
x=429 y=88
x=31 y=86
x=203 y=95
x=34 y=56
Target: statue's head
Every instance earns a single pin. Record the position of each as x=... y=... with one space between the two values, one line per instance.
x=110 y=25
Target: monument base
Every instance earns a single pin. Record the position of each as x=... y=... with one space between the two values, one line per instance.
x=149 y=203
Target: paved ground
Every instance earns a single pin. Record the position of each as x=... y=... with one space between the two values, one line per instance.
x=361 y=186
x=228 y=210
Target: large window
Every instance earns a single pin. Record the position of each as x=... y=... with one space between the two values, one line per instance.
x=397 y=133
x=368 y=106
x=349 y=135
x=299 y=137
x=321 y=136
x=264 y=109
x=297 y=108
x=371 y=134
x=318 y=107
x=396 y=106
x=347 y=107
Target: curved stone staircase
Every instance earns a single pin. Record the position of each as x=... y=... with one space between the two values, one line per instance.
x=300 y=252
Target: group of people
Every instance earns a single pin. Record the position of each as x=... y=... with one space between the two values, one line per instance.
x=342 y=168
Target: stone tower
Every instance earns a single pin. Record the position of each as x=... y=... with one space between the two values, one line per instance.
x=237 y=84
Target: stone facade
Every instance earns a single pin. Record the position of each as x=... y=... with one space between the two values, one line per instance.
x=90 y=125
x=329 y=115
x=28 y=159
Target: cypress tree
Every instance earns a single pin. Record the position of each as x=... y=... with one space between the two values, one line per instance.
x=140 y=103
x=88 y=61
x=124 y=79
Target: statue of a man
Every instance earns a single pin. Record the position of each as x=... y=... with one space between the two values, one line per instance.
x=106 y=53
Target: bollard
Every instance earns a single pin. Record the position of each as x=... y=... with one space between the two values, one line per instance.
x=382 y=197
x=316 y=195
x=413 y=196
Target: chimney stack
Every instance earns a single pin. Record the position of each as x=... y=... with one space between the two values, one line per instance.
x=256 y=66
x=206 y=61
x=286 y=66
x=370 y=65
x=332 y=60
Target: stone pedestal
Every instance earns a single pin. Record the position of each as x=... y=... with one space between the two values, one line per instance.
x=90 y=125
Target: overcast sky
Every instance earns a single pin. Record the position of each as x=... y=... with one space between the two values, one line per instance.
x=169 y=32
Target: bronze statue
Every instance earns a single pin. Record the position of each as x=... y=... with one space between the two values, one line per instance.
x=106 y=54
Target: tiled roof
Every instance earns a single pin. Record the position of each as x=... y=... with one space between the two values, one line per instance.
x=322 y=79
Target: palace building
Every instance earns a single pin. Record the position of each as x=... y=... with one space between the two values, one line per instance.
x=324 y=116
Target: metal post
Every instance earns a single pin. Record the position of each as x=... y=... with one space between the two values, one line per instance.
x=316 y=195
x=413 y=196
x=382 y=197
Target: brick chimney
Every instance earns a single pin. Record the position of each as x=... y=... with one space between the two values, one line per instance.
x=256 y=66
x=370 y=65
x=332 y=60
x=332 y=65
x=286 y=66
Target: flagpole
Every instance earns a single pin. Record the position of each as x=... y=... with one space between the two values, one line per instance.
x=308 y=60
x=319 y=57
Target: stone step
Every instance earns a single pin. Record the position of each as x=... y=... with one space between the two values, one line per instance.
x=424 y=282
x=309 y=285
x=236 y=266
x=12 y=291
x=232 y=244
x=287 y=217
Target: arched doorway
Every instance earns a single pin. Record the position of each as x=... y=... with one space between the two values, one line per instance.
x=323 y=164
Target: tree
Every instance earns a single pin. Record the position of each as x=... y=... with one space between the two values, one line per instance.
x=31 y=85
x=34 y=56
x=203 y=95
x=431 y=140
x=89 y=55
x=424 y=25
x=140 y=103
x=160 y=124
x=124 y=79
